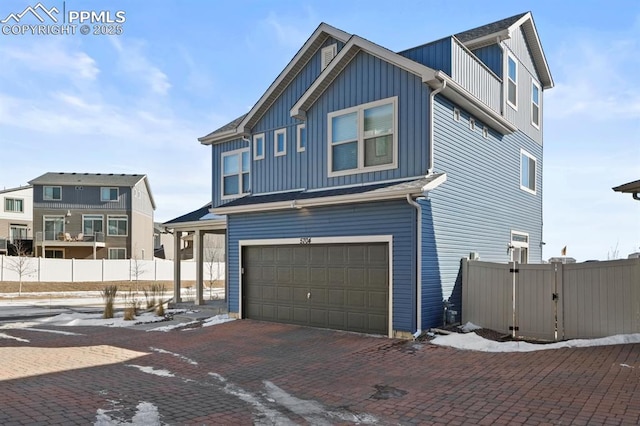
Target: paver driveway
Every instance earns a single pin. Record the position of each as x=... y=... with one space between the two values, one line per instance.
x=246 y=372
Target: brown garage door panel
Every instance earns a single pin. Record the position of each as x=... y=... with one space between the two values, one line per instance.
x=340 y=286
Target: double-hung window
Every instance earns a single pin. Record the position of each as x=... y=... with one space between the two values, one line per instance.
x=117 y=253
x=258 y=146
x=118 y=226
x=235 y=173
x=527 y=172
x=302 y=138
x=15 y=205
x=52 y=193
x=535 y=104
x=512 y=81
x=363 y=138
x=108 y=194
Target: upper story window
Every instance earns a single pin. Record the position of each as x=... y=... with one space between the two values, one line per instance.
x=512 y=81
x=280 y=142
x=235 y=173
x=527 y=172
x=108 y=194
x=118 y=226
x=52 y=193
x=301 y=139
x=363 y=138
x=15 y=205
x=258 y=146
x=535 y=104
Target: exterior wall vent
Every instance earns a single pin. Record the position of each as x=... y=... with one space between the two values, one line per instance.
x=328 y=53
x=474 y=255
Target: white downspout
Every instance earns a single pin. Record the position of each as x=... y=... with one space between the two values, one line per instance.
x=418 y=268
x=431 y=126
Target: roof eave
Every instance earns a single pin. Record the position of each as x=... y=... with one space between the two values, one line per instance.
x=363 y=197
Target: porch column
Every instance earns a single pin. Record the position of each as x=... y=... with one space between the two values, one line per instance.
x=199 y=258
x=176 y=266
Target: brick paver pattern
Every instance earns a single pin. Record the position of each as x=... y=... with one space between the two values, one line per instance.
x=249 y=372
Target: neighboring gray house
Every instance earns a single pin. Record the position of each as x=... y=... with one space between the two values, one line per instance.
x=93 y=215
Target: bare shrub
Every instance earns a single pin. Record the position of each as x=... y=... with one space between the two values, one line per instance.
x=109 y=296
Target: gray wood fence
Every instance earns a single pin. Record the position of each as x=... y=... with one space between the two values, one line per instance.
x=553 y=301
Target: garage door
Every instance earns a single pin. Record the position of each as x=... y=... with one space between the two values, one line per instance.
x=338 y=286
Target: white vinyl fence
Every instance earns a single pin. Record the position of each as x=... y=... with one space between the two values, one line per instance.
x=38 y=269
x=553 y=301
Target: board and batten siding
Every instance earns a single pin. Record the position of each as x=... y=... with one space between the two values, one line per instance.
x=518 y=48
x=491 y=56
x=366 y=79
x=395 y=218
x=216 y=167
x=481 y=202
x=267 y=173
x=436 y=55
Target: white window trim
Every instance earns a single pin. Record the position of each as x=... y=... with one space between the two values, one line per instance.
x=51 y=249
x=299 y=128
x=117 y=248
x=361 y=168
x=109 y=188
x=510 y=56
x=456 y=114
x=119 y=216
x=282 y=132
x=222 y=157
x=44 y=193
x=255 y=145
x=472 y=123
x=95 y=216
x=535 y=164
x=14 y=202
x=534 y=83
x=520 y=244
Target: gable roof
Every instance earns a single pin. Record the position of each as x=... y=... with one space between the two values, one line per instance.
x=93 y=179
x=486 y=35
x=19 y=188
x=435 y=79
x=301 y=58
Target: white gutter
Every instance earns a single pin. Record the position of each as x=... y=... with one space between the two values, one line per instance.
x=431 y=126
x=418 y=267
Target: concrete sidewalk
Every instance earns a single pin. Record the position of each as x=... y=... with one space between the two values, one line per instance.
x=248 y=372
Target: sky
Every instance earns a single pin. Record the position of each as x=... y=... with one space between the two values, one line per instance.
x=137 y=102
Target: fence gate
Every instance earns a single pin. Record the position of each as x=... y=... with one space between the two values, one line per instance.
x=536 y=301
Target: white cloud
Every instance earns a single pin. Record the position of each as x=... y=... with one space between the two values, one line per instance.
x=51 y=56
x=133 y=61
x=289 y=34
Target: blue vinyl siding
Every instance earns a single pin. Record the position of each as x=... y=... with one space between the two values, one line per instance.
x=491 y=56
x=366 y=79
x=436 y=55
x=268 y=172
x=395 y=218
x=481 y=202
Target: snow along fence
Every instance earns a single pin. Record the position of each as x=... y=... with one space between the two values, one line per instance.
x=39 y=269
x=553 y=301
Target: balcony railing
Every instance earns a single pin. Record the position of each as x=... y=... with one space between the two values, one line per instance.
x=69 y=237
x=472 y=74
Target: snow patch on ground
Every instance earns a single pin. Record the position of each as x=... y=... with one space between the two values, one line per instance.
x=147 y=414
x=83 y=319
x=218 y=319
x=471 y=341
x=182 y=357
x=173 y=326
x=6 y=336
x=469 y=327
x=151 y=370
x=65 y=333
